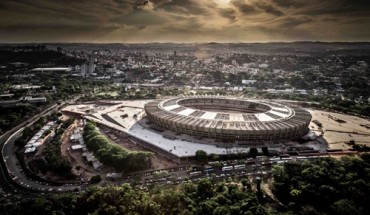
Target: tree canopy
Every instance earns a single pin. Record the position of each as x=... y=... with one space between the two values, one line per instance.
x=328 y=185
x=114 y=155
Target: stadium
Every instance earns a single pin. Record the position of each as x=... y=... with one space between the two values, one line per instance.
x=229 y=119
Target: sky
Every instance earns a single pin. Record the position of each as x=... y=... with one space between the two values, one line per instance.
x=184 y=21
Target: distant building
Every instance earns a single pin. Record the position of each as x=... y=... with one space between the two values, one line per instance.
x=9 y=103
x=36 y=99
x=77 y=147
x=91 y=68
x=25 y=87
x=249 y=81
x=114 y=176
x=30 y=150
x=14 y=102
x=18 y=64
x=75 y=137
x=129 y=60
x=52 y=69
x=97 y=165
x=83 y=70
x=38 y=139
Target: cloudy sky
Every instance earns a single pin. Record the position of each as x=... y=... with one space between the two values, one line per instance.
x=131 y=21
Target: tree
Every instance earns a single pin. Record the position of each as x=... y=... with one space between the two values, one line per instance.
x=246 y=183
x=253 y=151
x=205 y=188
x=213 y=157
x=265 y=150
x=201 y=156
x=95 y=179
x=221 y=210
x=114 y=155
x=345 y=206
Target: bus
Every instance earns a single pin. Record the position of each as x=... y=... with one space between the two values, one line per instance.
x=213 y=163
x=274 y=159
x=209 y=170
x=241 y=166
x=250 y=161
x=197 y=173
x=301 y=157
x=227 y=168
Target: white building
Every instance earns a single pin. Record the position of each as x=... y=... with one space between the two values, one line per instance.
x=84 y=70
x=249 y=81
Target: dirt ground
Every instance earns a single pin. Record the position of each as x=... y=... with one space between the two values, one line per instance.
x=80 y=167
x=336 y=133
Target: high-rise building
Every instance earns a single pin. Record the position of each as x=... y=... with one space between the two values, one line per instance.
x=91 y=68
x=129 y=60
x=84 y=70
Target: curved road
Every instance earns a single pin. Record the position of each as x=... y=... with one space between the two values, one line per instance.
x=11 y=178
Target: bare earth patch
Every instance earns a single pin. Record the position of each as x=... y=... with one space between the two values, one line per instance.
x=338 y=129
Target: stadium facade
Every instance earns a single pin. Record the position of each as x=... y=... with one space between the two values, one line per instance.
x=229 y=119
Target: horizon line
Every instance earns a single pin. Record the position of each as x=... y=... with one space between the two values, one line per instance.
x=214 y=42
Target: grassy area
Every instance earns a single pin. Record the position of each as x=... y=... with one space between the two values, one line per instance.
x=111 y=93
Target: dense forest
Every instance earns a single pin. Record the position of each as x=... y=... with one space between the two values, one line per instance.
x=326 y=186
x=34 y=56
x=206 y=197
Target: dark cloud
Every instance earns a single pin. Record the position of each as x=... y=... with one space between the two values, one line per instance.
x=269 y=8
x=141 y=18
x=245 y=8
x=185 y=7
x=228 y=13
x=253 y=7
x=290 y=3
x=294 y=21
x=189 y=20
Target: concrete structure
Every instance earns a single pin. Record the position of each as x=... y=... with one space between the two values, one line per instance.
x=84 y=70
x=30 y=99
x=91 y=67
x=229 y=119
x=38 y=139
x=77 y=147
x=52 y=69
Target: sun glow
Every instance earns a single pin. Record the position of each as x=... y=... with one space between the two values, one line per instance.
x=223 y=3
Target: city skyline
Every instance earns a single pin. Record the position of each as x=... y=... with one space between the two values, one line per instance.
x=185 y=21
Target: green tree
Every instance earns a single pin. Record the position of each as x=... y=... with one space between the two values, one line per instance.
x=201 y=156
x=205 y=188
x=345 y=206
x=265 y=150
x=253 y=151
x=95 y=179
x=214 y=157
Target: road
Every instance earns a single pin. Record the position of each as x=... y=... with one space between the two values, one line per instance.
x=18 y=175
x=8 y=161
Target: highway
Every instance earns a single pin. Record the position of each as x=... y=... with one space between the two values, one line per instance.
x=12 y=178
x=18 y=175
